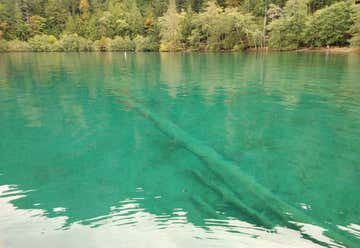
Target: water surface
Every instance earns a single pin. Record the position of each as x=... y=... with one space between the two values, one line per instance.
x=179 y=150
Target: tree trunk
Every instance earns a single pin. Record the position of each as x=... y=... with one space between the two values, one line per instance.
x=265 y=21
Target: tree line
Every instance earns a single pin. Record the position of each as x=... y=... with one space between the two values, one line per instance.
x=197 y=25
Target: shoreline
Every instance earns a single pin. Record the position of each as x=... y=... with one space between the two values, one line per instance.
x=310 y=50
x=331 y=50
x=339 y=50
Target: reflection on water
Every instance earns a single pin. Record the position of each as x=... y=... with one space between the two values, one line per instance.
x=179 y=150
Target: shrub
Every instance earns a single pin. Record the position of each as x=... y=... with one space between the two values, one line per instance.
x=74 y=43
x=145 y=44
x=3 y=46
x=238 y=48
x=18 y=46
x=329 y=26
x=102 y=45
x=69 y=43
x=85 y=45
x=43 y=43
x=122 y=44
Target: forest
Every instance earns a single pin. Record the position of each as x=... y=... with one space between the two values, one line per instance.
x=181 y=25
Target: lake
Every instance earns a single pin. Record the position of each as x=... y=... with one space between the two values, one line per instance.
x=179 y=150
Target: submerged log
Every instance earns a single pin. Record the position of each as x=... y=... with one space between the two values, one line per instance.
x=261 y=204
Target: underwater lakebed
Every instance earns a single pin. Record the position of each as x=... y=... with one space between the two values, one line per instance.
x=179 y=150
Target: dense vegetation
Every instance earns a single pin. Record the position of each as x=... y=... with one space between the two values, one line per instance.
x=151 y=25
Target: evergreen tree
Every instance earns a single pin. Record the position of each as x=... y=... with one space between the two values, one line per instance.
x=56 y=17
x=170 y=29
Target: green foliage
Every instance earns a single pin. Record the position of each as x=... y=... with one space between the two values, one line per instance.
x=10 y=20
x=329 y=26
x=74 y=43
x=145 y=44
x=296 y=9
x=355 y=28
x=3 y=46
x=210 y=28
x=133 y=17
x=287 y=31
x=122 y=44
x=83 y=26
x=245 y=32
x=319 y=4
x=56 y=15
x=121 y=19
x=186 y=26
x=110 y=25
x=36 y=25
x=170 y=29
x=158 y=7
x=85 y=45
x=218 y=29
x=18 y=46
x=102 y=45
x=274 y=12
x=43 y=43
x=232 y=3
x=174 y=25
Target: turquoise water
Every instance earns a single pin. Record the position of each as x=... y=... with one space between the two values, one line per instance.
x=179 y=150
